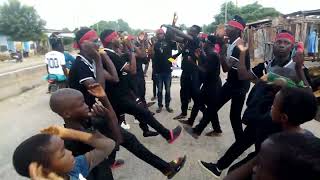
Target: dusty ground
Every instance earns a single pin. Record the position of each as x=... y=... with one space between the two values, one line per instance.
x=24 y=115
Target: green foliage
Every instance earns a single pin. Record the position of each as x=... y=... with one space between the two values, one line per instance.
x=20 y=22
x=251 y=12
x=119 y=25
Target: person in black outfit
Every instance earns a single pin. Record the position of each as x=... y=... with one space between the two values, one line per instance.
x=257 y=114
x=190 y=83
x=210 y=72
x=234 y=89
x=141 y=58
x=121 y=95
x=162 y=68
x=85 y=73
x=69 y=104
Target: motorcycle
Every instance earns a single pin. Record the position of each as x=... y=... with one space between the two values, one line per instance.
x=54 y=83
x=16 y=55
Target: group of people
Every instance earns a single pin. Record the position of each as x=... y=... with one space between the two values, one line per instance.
x=105 y=84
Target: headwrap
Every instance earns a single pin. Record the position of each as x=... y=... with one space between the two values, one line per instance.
x=237 y=22
x=159 y=31
x=109 y=38
x=89 y=35
x=285 y=35
x=203 y=36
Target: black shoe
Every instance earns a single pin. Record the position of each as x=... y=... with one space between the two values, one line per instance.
x=210 y=168
x=190 y=131
x=186 y=122
x=150 y=134
x=176 y=166
x=169 y=109
x=149 y=104
x=180 y=116
x=159 y=110
x=214 y=133
x=174 y=134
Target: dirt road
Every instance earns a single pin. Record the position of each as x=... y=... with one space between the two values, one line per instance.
x=24 y=115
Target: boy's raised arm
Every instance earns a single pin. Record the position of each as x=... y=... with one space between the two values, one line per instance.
x=103 y=146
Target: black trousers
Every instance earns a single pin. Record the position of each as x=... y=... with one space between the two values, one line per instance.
x=238 y=147
x=132 y=144
x=143 y=115
x=190 y=88
x=141 y=88
x=154 y=83
x=210 y=113
x=237 y=98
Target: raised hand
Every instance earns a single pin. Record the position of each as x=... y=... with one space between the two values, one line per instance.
x=55 y=130
x=241 y=46
x=299 y=60
x=96 y=90
x=36 y=173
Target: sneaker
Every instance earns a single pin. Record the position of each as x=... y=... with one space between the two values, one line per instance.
x=117 y=163
x=180 y=116
x=186 y=122
x=176 y=166
x=214 y=133
x=149 y=104
x=136 y=121
x=169 y=109
x=174 y=134
x=190 y=131
x=150 y=134
x=125 y=126
x=210 y=168
x=159 y=110
x=153 y=98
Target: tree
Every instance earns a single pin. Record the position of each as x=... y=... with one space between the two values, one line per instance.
x=119 y=25
x=251 y=12
x=20 y=22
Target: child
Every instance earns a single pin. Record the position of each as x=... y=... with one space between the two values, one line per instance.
x=70 y=104
x=291 y=108
x=48 y=150
x=288 y=156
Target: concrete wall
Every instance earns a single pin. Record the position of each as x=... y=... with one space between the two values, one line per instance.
x=19 y=81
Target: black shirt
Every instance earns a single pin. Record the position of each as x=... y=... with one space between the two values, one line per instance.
x=82 y=69
x=211 y=76
x=233 y=79
x=162 y=52
x=123 y=87
x=140 y=61
x=189 y=50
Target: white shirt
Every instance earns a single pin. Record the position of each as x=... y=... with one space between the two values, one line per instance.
x=55 y=60
x=232 y=61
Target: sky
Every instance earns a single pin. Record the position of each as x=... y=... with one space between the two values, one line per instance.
x=145 y=14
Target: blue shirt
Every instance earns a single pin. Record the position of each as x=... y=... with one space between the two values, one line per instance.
x=80 y=169
x=69 y=59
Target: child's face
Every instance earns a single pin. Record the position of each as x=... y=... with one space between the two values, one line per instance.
x=61 y=160
x=78 y=108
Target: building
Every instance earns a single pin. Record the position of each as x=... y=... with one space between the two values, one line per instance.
x=261 y=34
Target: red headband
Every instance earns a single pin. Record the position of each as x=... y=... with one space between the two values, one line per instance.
x=109 y=38
x=89 y=35
x=236 y=24
x=285 y=36
x=159 y=31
